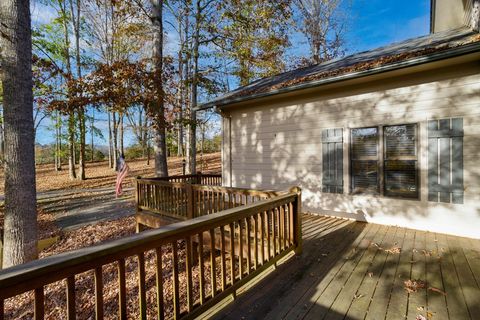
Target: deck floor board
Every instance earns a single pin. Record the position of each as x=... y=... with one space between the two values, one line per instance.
x=351 y=270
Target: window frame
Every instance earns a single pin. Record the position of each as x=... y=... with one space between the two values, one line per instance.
x=381 y=160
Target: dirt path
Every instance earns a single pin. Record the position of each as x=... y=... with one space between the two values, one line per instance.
x=74 y=209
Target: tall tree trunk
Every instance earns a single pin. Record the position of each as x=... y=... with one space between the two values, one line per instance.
x=76 y=18
x=157 y=109
x=180 y=88
x=110 y=141
x=2 y=139
x=71 y=146
x=120 y=132
x=115 y=140
x=192 y=125
x=92 y=132
x=20 y=224
x=58 y=142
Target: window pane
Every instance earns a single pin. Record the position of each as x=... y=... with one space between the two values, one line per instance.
x=401 y=178
x=364 y=142
x=400 y=141
x=400 y=166
x=365 y=160
x=365 y=176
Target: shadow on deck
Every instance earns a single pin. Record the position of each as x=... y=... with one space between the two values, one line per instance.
x=354 y=270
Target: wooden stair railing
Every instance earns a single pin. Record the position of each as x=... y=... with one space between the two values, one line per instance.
x=270 y=229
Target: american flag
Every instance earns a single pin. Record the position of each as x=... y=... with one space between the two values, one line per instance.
x=123 y=169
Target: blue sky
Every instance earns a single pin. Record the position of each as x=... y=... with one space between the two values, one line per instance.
x=374 y=23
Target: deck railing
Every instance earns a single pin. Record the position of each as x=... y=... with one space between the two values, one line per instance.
x=182 y=200
x=198 y=178
x=224 y=250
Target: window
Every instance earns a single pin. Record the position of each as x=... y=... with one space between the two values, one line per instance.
x=365 y=160
x=400 y=161
x=384 y=160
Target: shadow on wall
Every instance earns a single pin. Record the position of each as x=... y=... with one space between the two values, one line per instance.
x=279 y=145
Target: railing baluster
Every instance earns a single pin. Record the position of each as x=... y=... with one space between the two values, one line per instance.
x=188 y=272
x=122 y=290
x=282 y=228
x=176 y=296
x=71 y=298
x=159 y=279
x=232 y=252
x=255 y=240
x=249 y=244
x=222 y=257
x=142 y=299
x=213 y=271
x=98 y=293
x=269 y=223
x=240 y=248
x=262 y=234
x=201 y=269
x=39 y=305
x=274 y=233
x=291 y=224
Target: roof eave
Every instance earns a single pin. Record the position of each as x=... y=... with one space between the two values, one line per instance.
x=451 y=53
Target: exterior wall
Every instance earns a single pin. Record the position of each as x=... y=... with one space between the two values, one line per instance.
x=277 y=144
x=450 y=14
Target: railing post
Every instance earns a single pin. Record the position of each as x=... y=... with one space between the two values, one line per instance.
x=137 y=194
x=297 y=216
x=190 y=201
x=199 y=177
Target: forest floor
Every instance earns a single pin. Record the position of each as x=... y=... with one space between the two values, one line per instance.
x=85 y=213
x=65 y=205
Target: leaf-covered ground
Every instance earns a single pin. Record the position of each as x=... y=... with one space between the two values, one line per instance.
x=100 y=175
x=21 y=307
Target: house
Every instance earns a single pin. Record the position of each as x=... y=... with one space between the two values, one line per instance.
x=389 y=136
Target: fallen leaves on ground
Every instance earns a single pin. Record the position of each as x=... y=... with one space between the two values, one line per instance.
x=100 y=175
x=21 y=306
x=412 y=286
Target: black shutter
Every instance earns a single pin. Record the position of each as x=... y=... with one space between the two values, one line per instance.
x=445 y=160
x=332 y=160
x=364 y=160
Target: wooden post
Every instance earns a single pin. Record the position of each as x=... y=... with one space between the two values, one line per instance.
x=190 y=201
x=199 y=177
x=297 y=219
x=138 y=228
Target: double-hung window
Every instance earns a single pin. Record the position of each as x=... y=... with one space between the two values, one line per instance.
x=384 y=160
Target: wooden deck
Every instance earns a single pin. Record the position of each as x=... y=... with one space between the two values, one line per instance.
x=354 y=270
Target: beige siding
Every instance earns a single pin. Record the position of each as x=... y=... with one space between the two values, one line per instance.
x=278 y=144
x=451 y=14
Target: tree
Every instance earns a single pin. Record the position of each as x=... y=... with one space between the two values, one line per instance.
x=156 y=109
x=20 y=225
x=324 y=25
x=254 y=37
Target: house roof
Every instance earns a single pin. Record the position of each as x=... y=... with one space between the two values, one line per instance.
x=410 y=52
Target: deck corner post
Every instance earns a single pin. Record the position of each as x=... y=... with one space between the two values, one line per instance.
x=199 y=177
x=137 y=194
x=190 y=201
x=297 y=216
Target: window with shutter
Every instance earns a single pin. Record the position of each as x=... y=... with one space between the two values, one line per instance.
x=332 y=160
x=445 y=160
x=400 y=161
x=364 y=160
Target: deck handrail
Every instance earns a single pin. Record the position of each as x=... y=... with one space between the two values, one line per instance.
x=269 y=229
x=181 y=200
x=212 y=179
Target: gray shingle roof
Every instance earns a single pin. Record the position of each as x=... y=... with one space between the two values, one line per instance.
x=391 y=54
